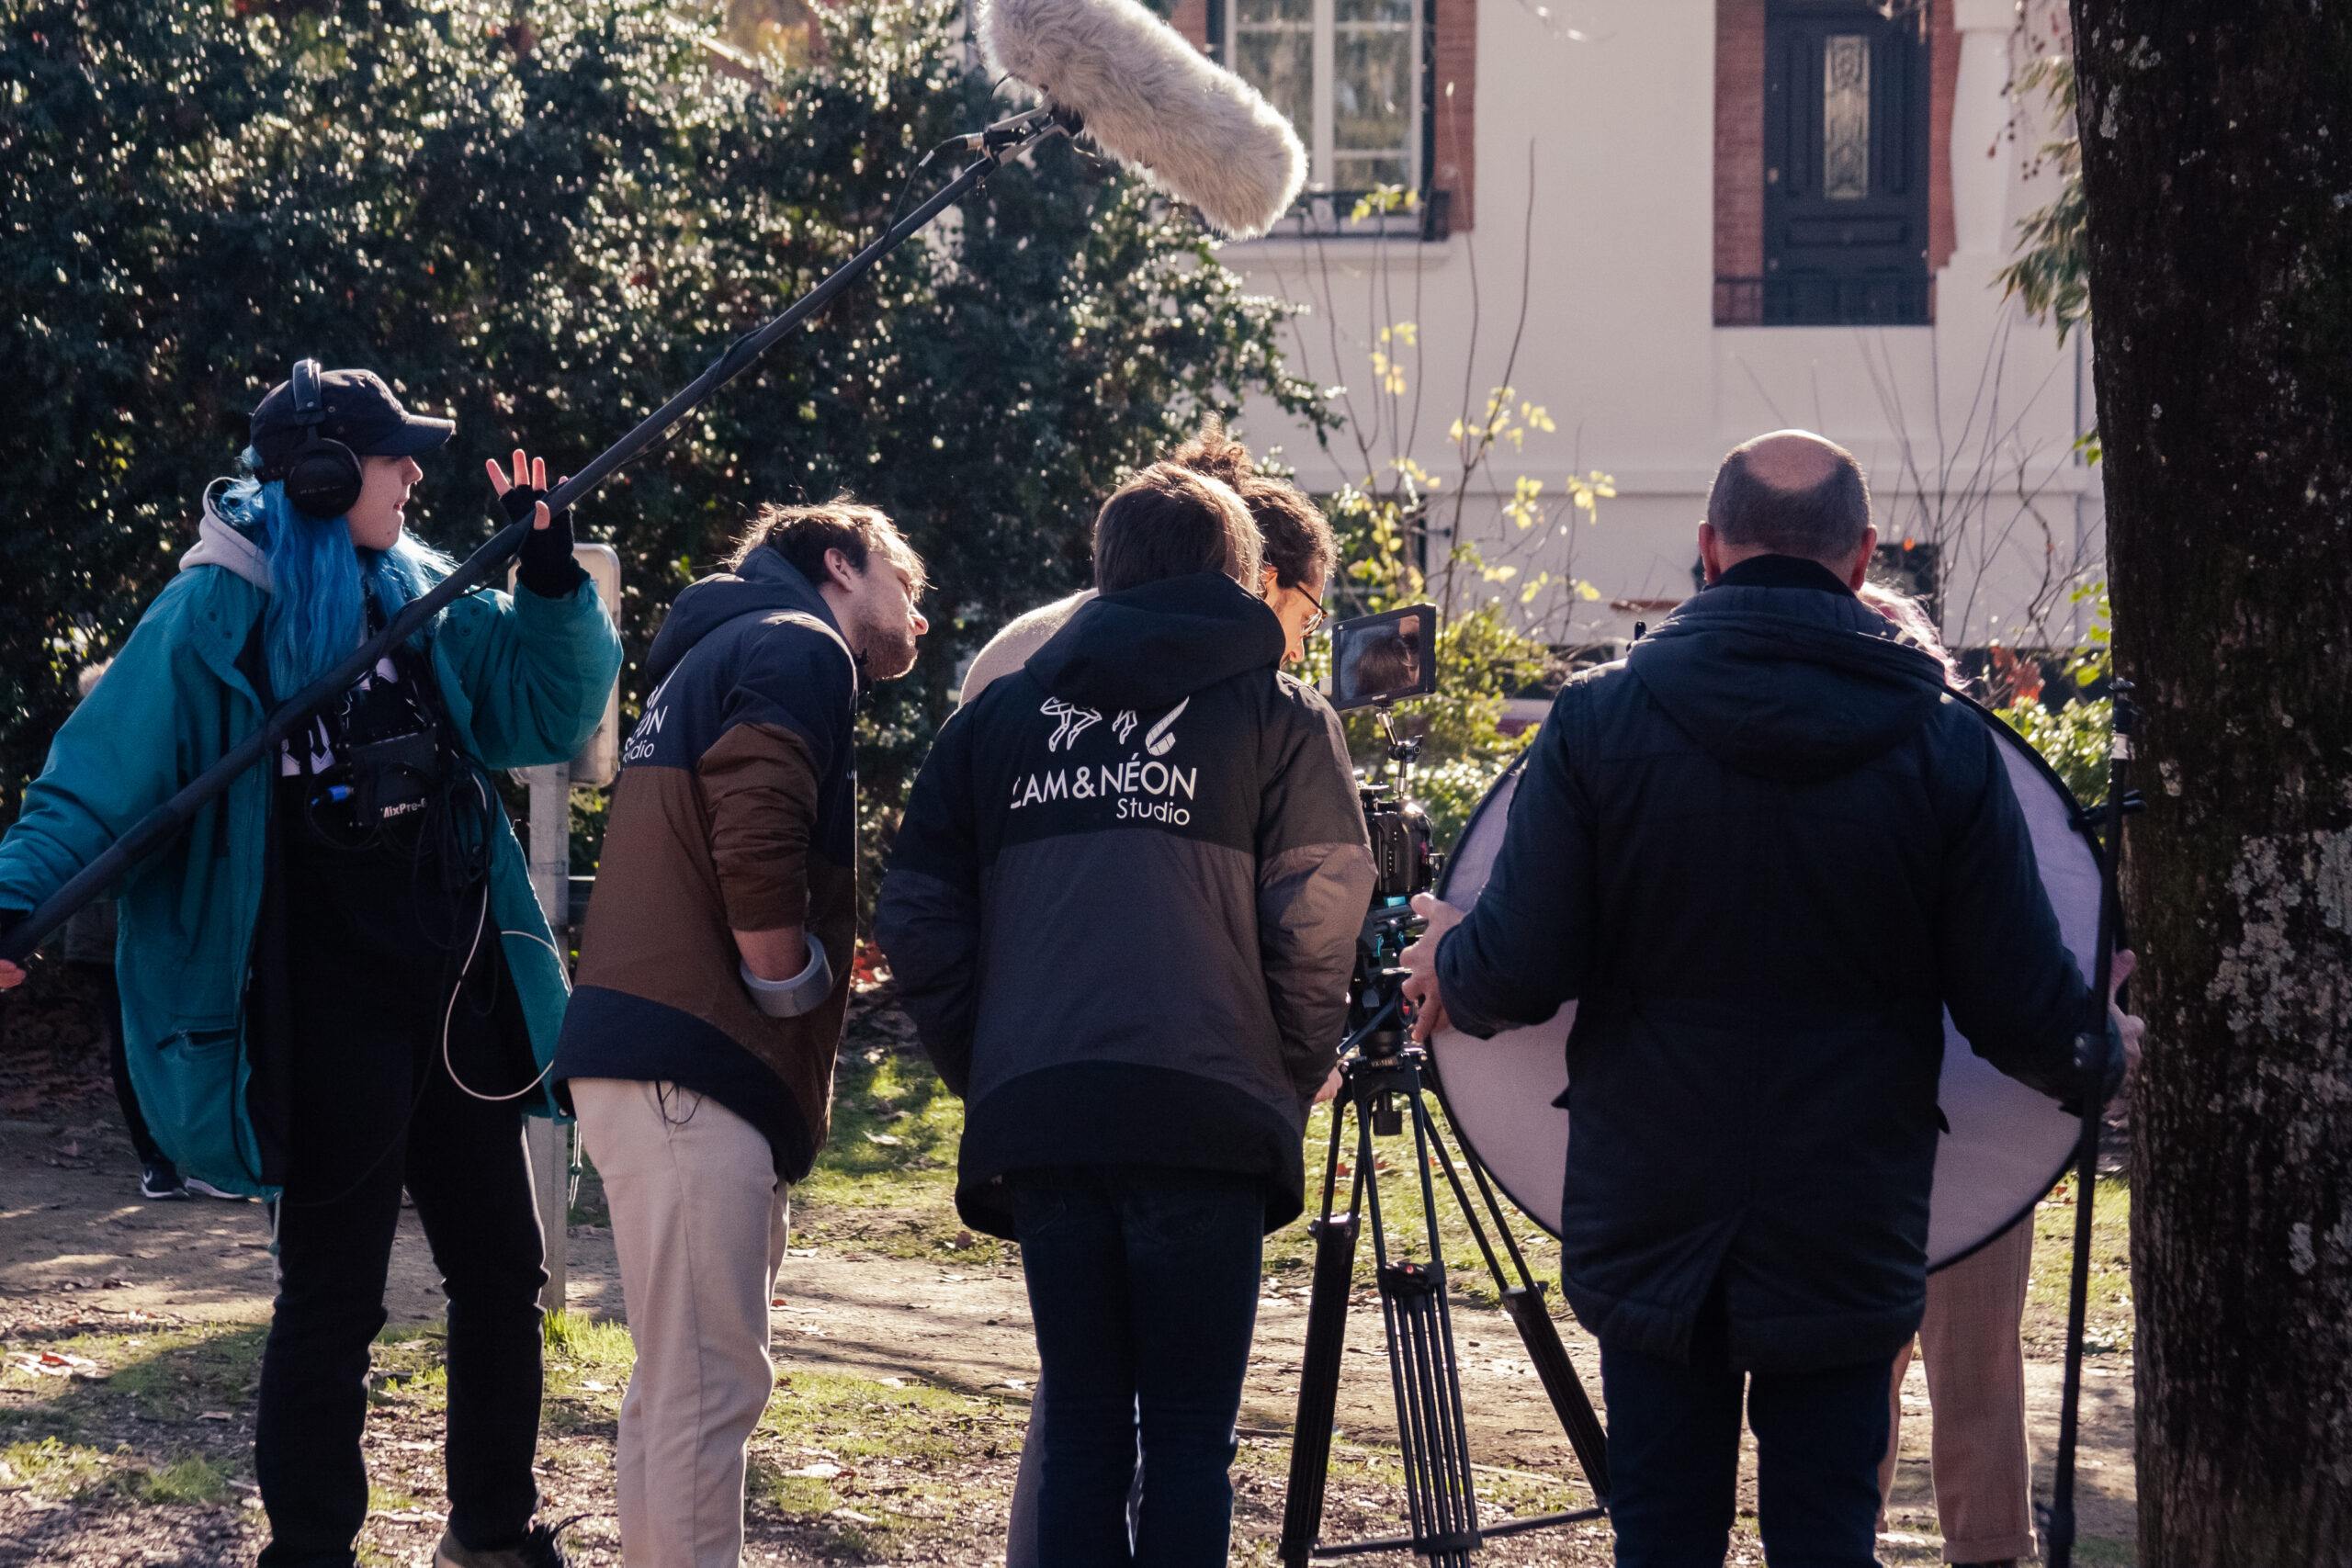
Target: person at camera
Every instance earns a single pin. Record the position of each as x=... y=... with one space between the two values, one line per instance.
x=352 y=925
x=713 y=977
x=1299 y=555
x=1763 y=852
x=1122 y=911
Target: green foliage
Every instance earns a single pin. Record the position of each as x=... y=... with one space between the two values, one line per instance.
x=2075 y=738
x=1483 y=655
x=2052 y=273
x=543 y=230
x=1402 y=538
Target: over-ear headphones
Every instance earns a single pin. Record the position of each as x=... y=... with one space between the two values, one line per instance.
x=323 y=480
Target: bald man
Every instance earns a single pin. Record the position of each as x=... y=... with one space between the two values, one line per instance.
x=1763 y=854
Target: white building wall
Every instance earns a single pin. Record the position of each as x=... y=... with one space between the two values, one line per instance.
x=1965 y=427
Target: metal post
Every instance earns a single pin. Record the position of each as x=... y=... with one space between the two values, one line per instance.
x=550 y=1140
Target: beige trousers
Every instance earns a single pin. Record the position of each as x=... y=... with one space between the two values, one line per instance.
x=1982 y=1471
x=698 y=1219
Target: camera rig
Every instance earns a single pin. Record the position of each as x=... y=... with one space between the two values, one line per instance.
x=1384 y=1076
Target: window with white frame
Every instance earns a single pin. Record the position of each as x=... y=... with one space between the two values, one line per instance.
x=1348 y=74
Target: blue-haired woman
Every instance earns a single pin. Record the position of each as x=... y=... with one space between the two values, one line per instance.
x=336 y=982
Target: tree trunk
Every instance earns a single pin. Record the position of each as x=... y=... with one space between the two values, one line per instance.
x=2217 y=163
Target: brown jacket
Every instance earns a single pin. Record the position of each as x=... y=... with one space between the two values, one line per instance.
x=736 y=810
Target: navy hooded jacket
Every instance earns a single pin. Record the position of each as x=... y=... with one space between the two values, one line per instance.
x=1763 y=855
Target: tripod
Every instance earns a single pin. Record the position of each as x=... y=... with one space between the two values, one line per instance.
x=1383 y=1082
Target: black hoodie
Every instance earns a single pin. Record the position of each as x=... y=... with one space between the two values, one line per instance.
x=1763 y=855
x=1122 y=906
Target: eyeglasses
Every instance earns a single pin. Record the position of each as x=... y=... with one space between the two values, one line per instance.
x=1321 y=614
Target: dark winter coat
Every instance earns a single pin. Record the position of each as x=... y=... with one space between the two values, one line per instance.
x=1123 y=905
x=736 y=810
x=1763 y=855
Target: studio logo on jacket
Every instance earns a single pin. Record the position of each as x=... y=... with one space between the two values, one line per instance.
x=1138 y=789
x=647 y=735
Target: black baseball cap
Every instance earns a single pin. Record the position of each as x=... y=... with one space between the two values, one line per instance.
x=361 y=412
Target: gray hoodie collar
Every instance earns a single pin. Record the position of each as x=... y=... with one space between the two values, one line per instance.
x=219 y=541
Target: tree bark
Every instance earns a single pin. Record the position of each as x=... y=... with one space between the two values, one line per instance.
x=2217 y=165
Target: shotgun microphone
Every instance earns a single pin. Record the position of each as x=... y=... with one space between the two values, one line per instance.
x=1150 y=100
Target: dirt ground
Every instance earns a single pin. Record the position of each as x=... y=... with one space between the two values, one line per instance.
x=904 y=1371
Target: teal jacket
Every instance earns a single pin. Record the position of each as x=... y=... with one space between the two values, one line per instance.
x=525 y=680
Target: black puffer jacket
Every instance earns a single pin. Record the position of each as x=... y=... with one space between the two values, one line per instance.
x=1764 y=853
x=1122 y=906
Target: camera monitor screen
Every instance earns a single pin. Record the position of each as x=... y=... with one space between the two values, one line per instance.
x=1378 y=658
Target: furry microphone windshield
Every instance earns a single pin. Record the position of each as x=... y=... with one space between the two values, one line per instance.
x=1152 y=101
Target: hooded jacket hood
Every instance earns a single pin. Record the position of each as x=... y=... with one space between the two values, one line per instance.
x=219 y=542
x=1789 y=685
x=1146 y=646
x=765 y=582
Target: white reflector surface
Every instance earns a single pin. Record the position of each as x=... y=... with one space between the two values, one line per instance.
x=2007 y=1145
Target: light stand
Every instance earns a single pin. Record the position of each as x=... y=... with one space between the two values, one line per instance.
x=996 y=145
x=1383 y=1077
x=2058 y=1527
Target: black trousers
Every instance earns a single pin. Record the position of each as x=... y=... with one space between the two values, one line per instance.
x=356 y=1142
x=1674 y=1455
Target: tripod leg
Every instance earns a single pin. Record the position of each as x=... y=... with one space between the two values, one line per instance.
x=1432 y=1433
x=1318 y=1386
x=1569 y=1401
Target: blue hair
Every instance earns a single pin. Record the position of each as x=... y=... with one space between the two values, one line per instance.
x=321 y=581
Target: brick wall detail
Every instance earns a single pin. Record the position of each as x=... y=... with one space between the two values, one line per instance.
x=1458 y=115
x=1739 y=138
x=1190 y=17
x=1943 y=91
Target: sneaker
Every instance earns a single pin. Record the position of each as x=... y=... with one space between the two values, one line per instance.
x=161 y=1182
x=198 y=1185
x=539 y=1547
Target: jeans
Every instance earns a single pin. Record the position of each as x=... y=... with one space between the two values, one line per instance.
x=1143 y=1284
x=1674 y=1456
x=462 y=1160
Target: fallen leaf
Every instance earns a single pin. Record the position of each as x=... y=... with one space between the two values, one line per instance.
x=821 y=1470
x=212 y=1415
x=853 y=1516
x=592 y=1383
x=882 y=1138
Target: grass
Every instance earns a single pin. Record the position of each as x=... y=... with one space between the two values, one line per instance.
x=2106 y=1326
x=51 y=1467
x=75 y=1471
x=191 y=1478
x=886 y=1180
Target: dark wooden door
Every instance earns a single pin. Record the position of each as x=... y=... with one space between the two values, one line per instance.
x=1845 y=164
